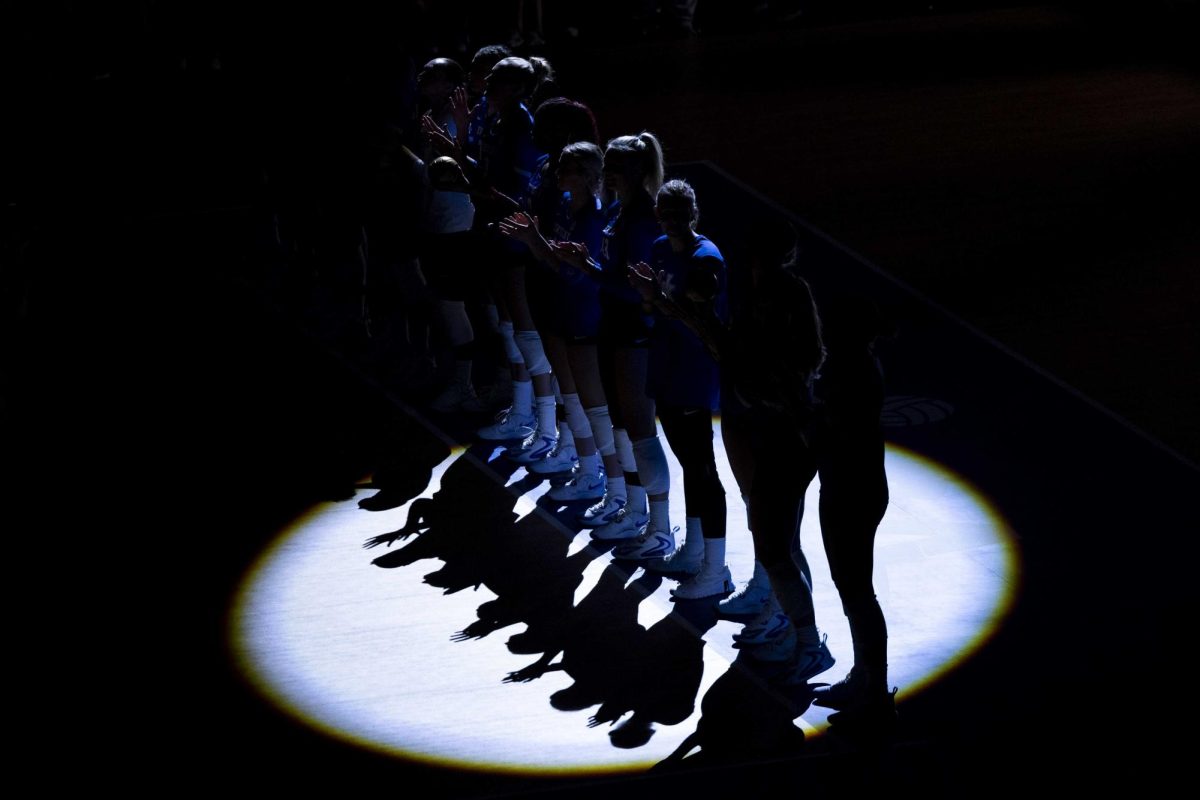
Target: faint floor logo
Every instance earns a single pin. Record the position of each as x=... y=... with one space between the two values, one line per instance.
x=905 y=411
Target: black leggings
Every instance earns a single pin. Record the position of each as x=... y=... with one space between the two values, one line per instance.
x=854 y=497
x=689 y=433
x=774 y=467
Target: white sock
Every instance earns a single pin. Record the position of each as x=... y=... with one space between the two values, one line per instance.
x=615 y=486
x=660 y=515
x=692 y=529
x=566 y=438
x=637 y=498
x=547 y=422
x=522 y=402
x=714 y=554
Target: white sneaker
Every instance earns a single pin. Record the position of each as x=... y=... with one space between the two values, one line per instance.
x=750 y=599
x=809 y=662
x=685 y=562
x=562 y=458
x=626 y=525
x=764 y=624
x=581 y=486
x=763 y=631
x=534 y=447
x=780 y=647
x=508 y=426
x=650 y=546
x=708 y=582
x=603 y=512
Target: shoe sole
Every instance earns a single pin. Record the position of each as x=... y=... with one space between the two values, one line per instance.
x=769 y=634
x=727 y=588
x=495 y=438
x=598 y=521
x=675 y=571
x=824 y=665
x=741 y=616
x=575 y=499
x=529 y=457
x=544 y=468
x=620 y=536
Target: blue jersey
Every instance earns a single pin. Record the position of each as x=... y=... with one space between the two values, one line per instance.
x=586 y=226
x=544 y=199
x=627 y=240
x=682 y=372
x=508 y=154
x=578 y=297
x=503 y=149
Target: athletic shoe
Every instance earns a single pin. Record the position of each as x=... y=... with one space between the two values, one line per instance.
x=859 y=706
x=562 y=458
x=603 y=512
x=748 y=601
x=535 y=447
x=581 y=486
x=779 y=648
x=760 y=632
x=508 y=426
x=809 y=662
x=709 y=582
x=650 y=546
x=625 y=525
x=685 y=562
x=849 y=692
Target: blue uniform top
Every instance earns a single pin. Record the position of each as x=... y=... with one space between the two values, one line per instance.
x=503 y=149
x=586 y=225
x=543 y=199
x=627 y=239
x=682 y=372
x=577 y=305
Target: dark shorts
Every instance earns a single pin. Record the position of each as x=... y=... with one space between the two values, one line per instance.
x=568 y=310
x=623 y=325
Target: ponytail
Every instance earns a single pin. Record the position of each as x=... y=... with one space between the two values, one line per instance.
x=653 y=159
x=646 y=153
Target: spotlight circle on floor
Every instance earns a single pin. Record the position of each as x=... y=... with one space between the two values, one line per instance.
x=369 y=655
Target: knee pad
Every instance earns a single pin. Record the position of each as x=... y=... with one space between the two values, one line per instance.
x=652 y=465
x=510 y=344
x=456 y=323
x=529 y=343
x=602 y=429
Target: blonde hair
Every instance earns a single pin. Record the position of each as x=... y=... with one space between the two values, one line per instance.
x=646 y=155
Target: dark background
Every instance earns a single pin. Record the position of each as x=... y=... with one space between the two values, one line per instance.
x=1031 y=168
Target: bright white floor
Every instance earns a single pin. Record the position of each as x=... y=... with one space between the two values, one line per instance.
x=365 y=654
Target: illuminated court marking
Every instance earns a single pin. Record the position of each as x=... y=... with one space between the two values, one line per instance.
x=365 y=654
